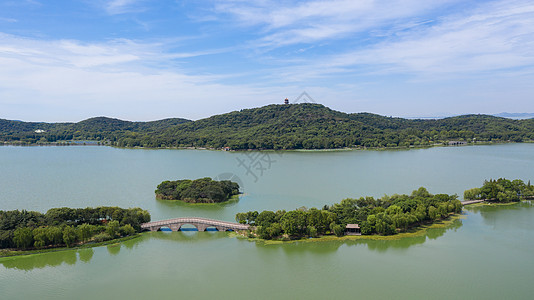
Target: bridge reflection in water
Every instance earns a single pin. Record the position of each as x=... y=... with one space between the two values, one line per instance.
x=200 y=223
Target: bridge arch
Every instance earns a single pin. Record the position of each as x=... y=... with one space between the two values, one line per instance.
x=200 y=223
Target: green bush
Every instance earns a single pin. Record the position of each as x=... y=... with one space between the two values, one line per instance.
x=339 y=230
x=102 y=237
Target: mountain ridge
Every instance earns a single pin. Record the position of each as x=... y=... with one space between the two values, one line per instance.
x=293 y=126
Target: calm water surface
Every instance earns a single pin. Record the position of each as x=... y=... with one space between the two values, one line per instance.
x=486 y=255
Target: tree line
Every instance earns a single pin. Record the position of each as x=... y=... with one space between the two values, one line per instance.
x=501 y=190
x=203 y=190
x=278 y=127
x=68 y=226
x=384 y=216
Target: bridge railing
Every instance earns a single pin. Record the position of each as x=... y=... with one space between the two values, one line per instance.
x=197 y=220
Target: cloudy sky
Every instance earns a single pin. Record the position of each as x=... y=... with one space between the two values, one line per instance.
x=147 y=60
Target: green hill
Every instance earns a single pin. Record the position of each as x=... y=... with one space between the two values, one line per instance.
x=296 y=126
x=314 y=126
x=96 y=129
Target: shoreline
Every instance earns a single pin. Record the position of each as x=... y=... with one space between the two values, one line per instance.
x=414 y=232
x=485 y=203
x=15 y=253
x=233 y=199
x=412 y=147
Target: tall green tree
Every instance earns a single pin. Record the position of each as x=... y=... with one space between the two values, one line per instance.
x=23 y=237
x=69 y=236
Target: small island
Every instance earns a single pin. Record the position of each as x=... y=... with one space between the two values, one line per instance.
x=364 y=216
x=501 y=190
x=66 y=227
x=388 y=215
x=203 y=190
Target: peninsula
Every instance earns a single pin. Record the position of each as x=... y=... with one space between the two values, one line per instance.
x=67 y=227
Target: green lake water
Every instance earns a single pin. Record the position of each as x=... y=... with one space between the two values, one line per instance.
x=488 y=254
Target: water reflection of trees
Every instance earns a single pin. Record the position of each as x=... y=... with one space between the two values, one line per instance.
x=325 y=247
x=86 y=255
x=114 y=249
x=513 y=216
x=407 y=242
x=52 y=259
x=313 y=247
x=173 y=204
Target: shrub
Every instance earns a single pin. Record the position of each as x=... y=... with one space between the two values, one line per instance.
x=102 y=237
x=339 y=230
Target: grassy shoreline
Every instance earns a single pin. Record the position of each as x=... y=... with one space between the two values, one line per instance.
x=498 y=203
x=12 y=253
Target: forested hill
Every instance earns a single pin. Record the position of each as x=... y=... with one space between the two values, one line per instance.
x=97 y=129
x=314 y=126
x=294 y=126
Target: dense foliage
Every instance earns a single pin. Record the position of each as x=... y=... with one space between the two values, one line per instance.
x=203 y=190
x=101 y=129
x=501 y=190
x=295 y=126
x=384 y=216
x=67 y=226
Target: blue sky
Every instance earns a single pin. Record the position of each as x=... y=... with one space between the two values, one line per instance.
x=147 y=60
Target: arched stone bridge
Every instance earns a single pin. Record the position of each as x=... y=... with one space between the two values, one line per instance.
x=200 y=223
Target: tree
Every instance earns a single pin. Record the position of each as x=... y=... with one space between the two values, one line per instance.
x=393 y=210
x=23 y=237
x=69 y=236
x=113 y=228
x=339 y=230
x=421 y=212
x=40 y=238
x=312 y=232
x=85 y=231
x=262 y=232
x=274 y=230
x=421 y=192
x=294 y=222
x=251 y=217
x=384 y=224
x=400 y=221
x=54 y=235
x=433 y=213
x=126 y=230
x=472 y=194
x=366 y=228
x=265 y=218
x=442 y=210
x=241 y=218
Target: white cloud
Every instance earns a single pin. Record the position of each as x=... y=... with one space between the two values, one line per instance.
x=115 y=7
x=497 y=38
x=492 y=38
x=69 y=80
x=8 y=20
x=289 y=22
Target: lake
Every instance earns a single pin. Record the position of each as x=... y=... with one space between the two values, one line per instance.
x=487 y=254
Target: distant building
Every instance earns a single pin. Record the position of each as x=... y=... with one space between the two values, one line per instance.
x=286 y=101
x=457 y=143
x=40 y=131
x=353 y=229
